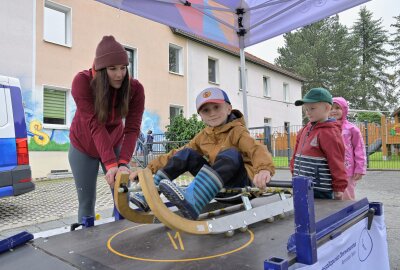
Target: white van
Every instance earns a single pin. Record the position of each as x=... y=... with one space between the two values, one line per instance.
x=15 y=172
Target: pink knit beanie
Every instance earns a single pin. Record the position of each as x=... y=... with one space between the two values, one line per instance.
x=110 y=52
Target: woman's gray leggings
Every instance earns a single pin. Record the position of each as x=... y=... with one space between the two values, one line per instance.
x=85 y=169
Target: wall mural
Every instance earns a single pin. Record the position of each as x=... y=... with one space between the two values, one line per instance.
x=151 y=121
x=395 y=130
x=44 y=139
x=41 y=139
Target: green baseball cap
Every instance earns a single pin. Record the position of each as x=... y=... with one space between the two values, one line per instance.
x=315 y=95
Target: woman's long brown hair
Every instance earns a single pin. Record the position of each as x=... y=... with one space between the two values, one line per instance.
x=103 y=98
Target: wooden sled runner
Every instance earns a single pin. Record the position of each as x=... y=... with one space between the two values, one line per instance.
x=121 y=201
x=239 y=218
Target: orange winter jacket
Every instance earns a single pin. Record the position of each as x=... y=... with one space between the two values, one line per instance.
x=212 y=140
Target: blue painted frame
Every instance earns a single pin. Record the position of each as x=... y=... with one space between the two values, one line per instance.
x=304 y=218
x=307 y=231
x=15 y=241
x=333 y=222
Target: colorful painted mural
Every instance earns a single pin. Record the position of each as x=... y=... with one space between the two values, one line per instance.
x=39 y=136
x=42 y=138
x=151 y=121
x=395 y=130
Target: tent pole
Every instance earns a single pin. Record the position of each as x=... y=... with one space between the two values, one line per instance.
x=243 y=78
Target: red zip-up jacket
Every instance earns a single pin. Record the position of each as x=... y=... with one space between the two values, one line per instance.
x=99 y=140
x=319 y=154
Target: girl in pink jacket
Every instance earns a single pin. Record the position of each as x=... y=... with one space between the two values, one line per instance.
x=355 y=158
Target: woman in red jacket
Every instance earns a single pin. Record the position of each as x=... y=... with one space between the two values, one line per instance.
x=104 y=96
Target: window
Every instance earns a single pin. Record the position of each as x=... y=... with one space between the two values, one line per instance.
x=267 y=121
x=3 y=108
x=57 y=23
x=132 y=62
x=266 y=87
x=175 y=111
x=286 y=97
x=54 y=106
x=212 y=70
x=175 y=59
x=240 y=80
x=286 y=126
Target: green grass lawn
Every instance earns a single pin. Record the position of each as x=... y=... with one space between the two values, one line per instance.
x=281 y=162
x=51 y=146
x=375 y=162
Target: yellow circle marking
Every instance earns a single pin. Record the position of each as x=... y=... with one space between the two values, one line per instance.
x=174 y=260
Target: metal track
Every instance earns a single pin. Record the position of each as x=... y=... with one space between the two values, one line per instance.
x=222 y=224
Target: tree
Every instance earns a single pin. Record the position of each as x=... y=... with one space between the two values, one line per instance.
x=374 y=85
x=181 y=130
x=353 y=65
x=395 y=43
x=371 y=117
x=323 y=53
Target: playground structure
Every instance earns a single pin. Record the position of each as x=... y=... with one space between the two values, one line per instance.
x=390 y=131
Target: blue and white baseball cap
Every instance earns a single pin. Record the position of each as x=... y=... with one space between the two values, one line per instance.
x=211 y=95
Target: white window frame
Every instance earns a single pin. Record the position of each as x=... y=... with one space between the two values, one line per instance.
x=285 y=125
x=269 y=121
x=68 y=23
x=180 y=60
x=4 y=109
x=266 y=86
x=286 y=92
x=67 y=106
x=135 y=65
x=179 y=107
x=216 y=66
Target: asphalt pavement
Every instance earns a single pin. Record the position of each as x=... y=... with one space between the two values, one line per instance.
x=53 y=206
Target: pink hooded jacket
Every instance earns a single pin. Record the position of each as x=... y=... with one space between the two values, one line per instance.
x=355 y=158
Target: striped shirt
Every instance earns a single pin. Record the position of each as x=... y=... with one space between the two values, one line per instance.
x=316 y=168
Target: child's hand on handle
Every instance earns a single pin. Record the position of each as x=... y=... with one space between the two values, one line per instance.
x=110 y=176
x=338 y=195
x=357 y=176
x=261 y=179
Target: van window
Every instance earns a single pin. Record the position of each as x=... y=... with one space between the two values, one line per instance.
x=3 y=108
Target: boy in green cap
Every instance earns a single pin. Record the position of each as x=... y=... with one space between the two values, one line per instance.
x=319 y=151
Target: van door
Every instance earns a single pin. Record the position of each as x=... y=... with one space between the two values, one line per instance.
x=15 y=172
x=8 y=157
